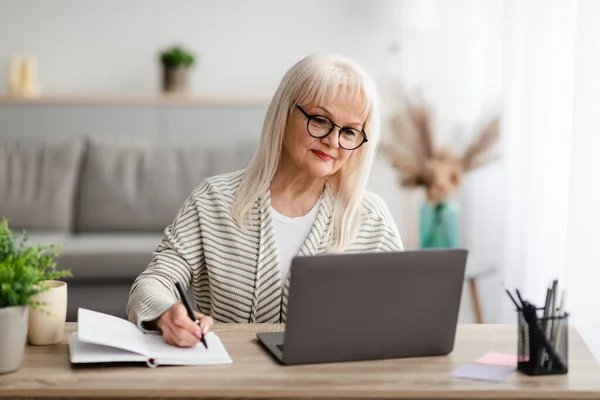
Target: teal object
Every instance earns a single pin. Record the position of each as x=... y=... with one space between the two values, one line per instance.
x=439 y=225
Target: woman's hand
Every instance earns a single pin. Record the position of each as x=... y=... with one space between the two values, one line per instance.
x=179 y=330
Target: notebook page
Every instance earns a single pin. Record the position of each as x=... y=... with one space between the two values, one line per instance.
x=165 y=354
x=107 y=330
x=81 y=352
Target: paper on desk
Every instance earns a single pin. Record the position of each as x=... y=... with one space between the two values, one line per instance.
x=165 y=354
x=506 y=360
x=106 y=330
x=483 y=372
x=82 y=352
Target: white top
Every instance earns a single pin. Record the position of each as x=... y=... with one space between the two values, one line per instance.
x=290 y=234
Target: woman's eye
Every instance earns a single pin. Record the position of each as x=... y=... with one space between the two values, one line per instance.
x=349 y=132
x=320 y=121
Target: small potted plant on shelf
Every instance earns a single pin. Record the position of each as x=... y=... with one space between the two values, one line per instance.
x=176 y=65
x=24 y=270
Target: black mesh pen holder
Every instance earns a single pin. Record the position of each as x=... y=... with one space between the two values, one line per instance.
x=543 y=344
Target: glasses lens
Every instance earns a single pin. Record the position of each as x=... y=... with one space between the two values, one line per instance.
x=350 y=138
x=319 y=126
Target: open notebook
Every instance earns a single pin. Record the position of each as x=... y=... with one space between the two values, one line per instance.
x=103 y=338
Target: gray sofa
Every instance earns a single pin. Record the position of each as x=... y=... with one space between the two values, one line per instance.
x=106 y=201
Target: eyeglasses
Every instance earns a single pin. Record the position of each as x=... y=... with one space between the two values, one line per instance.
x=319 y=126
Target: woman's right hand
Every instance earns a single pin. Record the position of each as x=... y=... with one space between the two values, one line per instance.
x=179 y=330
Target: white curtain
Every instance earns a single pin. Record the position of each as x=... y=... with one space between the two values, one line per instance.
x=551 y=148
x=583 y=231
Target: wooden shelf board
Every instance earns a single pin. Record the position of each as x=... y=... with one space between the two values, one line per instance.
x=136 y=100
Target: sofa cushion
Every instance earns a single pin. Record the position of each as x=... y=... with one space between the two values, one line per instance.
x=132 y=186
x=102 y=258
x=38 y=179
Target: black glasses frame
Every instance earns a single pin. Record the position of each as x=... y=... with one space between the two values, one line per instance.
x=333 y=126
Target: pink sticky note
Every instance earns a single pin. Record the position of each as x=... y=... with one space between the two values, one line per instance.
x=506 y=360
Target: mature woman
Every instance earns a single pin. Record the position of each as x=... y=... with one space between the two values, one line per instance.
x=303 y=194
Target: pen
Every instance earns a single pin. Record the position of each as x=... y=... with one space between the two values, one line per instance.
x=188 y=307
x=511 y=297
x=547 y=306
x=519 y=296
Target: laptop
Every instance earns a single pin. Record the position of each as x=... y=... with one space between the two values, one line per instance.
x=367 y=306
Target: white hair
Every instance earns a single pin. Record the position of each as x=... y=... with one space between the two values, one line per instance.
x=317 y=80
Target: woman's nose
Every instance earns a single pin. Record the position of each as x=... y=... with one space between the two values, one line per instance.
x=332 y=140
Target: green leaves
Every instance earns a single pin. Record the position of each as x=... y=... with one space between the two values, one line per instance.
x=23 y=267
x=177 y=57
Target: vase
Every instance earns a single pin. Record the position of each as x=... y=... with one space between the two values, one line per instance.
x=47 y=321
x=439 y=225
x=13 y=337
x=175 y=80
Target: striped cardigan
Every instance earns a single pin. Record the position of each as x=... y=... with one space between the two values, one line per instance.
x=235 y=273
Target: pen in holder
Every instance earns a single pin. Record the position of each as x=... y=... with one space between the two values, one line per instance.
x=543 y=342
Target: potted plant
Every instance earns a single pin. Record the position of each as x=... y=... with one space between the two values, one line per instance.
x=24 y=269
x=176 y=64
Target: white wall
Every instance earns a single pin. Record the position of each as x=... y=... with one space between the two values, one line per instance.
x=110 y=46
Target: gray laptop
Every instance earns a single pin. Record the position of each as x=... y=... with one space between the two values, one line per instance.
x=365 y=306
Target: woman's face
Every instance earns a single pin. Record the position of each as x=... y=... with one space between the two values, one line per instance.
x=321 y=157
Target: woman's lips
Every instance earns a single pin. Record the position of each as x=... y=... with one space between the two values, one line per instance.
x=322 y=156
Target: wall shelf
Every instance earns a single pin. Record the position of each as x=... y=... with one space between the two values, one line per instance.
x=134 y=100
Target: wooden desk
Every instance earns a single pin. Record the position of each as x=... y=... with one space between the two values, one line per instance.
x=47 y=373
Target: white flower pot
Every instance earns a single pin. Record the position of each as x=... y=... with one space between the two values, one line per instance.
x=13 y=337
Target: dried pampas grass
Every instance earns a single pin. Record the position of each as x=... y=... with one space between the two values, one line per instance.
x=412 y=152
